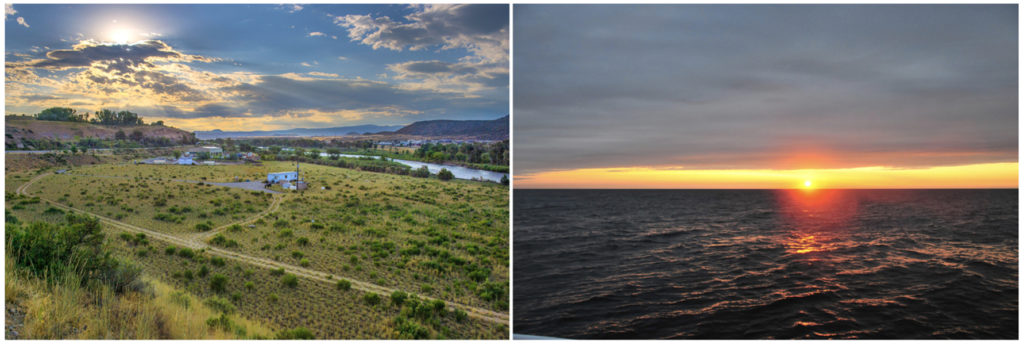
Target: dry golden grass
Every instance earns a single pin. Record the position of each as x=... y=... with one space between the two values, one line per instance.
x=67 y=310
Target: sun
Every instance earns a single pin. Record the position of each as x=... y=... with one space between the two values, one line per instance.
x=120 y=35
x=807 y=183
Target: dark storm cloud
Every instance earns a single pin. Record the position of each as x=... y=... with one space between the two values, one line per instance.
x=119 y=57
x=752 y=86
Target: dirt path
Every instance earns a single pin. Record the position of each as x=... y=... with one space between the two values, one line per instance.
x=14 y=321
x=203 y=237
x=196 y=244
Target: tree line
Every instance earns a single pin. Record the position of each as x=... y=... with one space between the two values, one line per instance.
x=101 y=117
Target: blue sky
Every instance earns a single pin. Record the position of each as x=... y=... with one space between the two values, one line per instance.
x=251 y=67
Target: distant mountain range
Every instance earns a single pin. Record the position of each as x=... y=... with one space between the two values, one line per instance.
x=497 y=129
x=297 y=132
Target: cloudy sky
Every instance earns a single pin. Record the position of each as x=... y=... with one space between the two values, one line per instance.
x=609 y=91
x=255 y=67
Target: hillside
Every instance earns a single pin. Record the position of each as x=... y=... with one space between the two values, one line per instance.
x=496 y=129
x=18 y=130
x=296 y=132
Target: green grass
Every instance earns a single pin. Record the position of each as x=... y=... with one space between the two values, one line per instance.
x=394 y=231
x=158 y=204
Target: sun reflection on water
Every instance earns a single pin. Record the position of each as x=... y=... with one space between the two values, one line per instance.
x=818 y=219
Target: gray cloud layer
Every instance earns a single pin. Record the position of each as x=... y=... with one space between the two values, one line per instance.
x=752 y=86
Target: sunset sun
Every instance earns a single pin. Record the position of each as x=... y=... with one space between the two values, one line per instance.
x=120 y=35
x=807 y=183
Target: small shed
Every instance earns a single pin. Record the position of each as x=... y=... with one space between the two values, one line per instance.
x=282 y=176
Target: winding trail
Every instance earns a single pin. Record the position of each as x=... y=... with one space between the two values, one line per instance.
x=196 y=243
x=274 y=205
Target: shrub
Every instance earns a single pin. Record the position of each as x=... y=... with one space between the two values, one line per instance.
x=235 y=228
x=302 y=241
x=295 y=333
x=273 y=297
x=203 y=271
x=188 y=274
x=218 y=240
x=218 y=283
x=220 y=304
x=217 y=261
x=408 y=329
x=249 y=285
x=203 y=227
x=50 y=249
x=422 y=171
x=186 y=253
x=304 y=262
x=290 y=280
x=344 y=285
x=297 y=254
x=371 y=298
x=398 y=297
x=170 y=250
x=277 y=272
x=445 y=175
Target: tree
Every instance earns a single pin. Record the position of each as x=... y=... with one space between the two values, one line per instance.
x=333 y=152
x=504 y=180
x=137 y=135
x=422 y=171
x=61 y=114
x=120 y=135
x=445 y=175
x=158 y=123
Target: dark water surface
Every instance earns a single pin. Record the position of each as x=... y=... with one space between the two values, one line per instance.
x=766 y=263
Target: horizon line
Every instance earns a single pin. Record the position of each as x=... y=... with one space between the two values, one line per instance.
x=812 y=189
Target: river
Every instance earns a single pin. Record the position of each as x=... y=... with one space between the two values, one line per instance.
x=459 y=171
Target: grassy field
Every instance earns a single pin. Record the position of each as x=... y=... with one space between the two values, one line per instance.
x=433 y=240
x=159 y=204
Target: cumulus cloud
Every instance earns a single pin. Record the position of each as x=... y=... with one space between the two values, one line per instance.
x=9 y=11
x=756 y=86
x=462 y=76
x=316 y=33
x=145 y=70
x=481 y=29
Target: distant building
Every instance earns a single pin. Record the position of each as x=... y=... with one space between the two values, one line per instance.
x=212 y=151
x=284 y=176
x=185 y=160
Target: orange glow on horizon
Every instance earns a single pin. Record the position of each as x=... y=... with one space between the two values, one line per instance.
x=989 y=175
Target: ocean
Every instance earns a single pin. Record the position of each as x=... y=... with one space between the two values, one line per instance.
x=764 y=264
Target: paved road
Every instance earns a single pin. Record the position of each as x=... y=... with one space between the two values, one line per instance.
x=195 y=244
